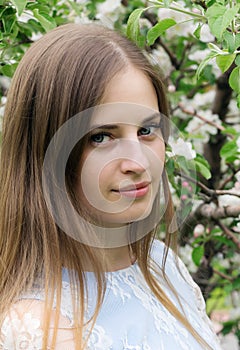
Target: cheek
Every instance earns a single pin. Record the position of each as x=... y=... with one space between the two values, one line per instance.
x=94 y=177
x=158 y=149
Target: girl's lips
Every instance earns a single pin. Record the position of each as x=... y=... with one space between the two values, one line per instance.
x=134 y=191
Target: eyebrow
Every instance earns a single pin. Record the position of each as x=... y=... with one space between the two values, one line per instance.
x=115 y=126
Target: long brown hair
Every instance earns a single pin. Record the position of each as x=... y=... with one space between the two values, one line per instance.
x=62 y=74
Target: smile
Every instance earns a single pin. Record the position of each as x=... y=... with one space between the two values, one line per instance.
x=134 y=191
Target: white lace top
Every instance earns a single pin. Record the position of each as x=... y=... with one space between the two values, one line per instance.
x=131 y=318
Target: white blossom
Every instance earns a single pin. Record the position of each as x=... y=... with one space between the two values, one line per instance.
x=237 y=175
x=25 y=16
x=197 y=126
x=182 y=148
x=198 y=230
x=2 y=108
x=205 y=34
x=185 y=25
x=203 y=100
x=200 y=55
x=108 y=11
x=160 y=58
x=228 y=199
x=185 y=254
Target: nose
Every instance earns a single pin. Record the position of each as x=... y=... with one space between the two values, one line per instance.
x=134 y=159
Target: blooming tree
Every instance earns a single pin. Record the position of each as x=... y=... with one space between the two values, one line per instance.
x=196 y=47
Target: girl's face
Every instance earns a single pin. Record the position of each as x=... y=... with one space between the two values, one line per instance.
x=122 y=162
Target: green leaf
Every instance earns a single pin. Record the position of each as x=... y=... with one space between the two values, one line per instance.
x=76 y=7
x=237 y=40
x=8 y=23
x=238 y=101
x=202 y=167
x=234 y=79
x=206 y=60
x=197 y=254
x=229 y=130
x=159 y=29
x=237 y=60
x=20 y=5
x=225 y=61
x=45 y=20
x=133 y=29
x=197 y=31
x=8 y=17
x=229 y=39
x=9 y=69
x=224 y=240
x=167 y=3
x=229 y=149
x=219 y=17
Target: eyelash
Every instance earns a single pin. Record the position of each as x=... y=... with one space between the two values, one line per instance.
x=104 y=133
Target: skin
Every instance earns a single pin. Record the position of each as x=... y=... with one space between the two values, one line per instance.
x=121 y=165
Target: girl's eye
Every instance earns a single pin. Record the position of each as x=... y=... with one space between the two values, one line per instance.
x=100 y=138
x=148 y=130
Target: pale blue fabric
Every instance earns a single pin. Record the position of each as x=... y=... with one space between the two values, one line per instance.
x=131 y=318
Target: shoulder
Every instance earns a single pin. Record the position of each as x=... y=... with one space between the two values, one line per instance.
x=178 y=274
x=23 y=327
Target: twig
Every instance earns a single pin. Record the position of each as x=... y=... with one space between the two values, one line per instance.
x=195 y=114
x=216 y=213
x=223 y=275
x=209 y=191
x=229 y=233
x=228 y=179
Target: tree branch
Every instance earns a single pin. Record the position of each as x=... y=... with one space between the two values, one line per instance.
x=207 y=211
x=195 y=114
x=229 y=233
x=223 y=275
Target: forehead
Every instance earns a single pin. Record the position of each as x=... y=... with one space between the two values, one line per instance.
x=122 y=113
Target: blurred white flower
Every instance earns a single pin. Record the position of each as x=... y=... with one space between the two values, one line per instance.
x=5 y=83
x=198 y=230
x=36 y=36
x=185 y=254
x=83 y=19
x=237 y=175
x=2 y=108
x=185 y=25
x=171 y=88
x=198 y=55
x=160 y=58
x=205 y=34
x=196 y=126
x=228 y=199
x=233 y=114
x=238 y=143
x=182 y=148
x=25 y=16
x=204 y=100
x=109 y=10
x=237 y=227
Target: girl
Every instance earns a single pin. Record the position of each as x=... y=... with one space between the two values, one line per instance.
x=83 y=144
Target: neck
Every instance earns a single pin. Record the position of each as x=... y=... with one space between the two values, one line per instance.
x=119 y=258
x=112 y=258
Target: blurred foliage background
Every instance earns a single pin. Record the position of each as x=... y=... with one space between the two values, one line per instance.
x=196 y=47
